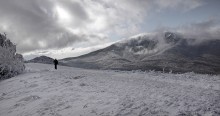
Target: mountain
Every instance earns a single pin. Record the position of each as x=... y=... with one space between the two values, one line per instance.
x=41 y=59
x=169 y=52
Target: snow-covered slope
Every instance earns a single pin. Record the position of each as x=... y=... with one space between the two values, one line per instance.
x=43 y=91
x=160 y=51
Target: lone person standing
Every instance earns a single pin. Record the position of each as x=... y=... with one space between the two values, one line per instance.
x=55 y=63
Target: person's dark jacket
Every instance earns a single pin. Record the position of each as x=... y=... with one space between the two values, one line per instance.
x=55 y=62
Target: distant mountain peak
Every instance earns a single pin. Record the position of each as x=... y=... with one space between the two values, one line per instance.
x=41 y=59
x=171 y=38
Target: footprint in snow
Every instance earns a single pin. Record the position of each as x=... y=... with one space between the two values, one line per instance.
x=77 y=77
x=83 y=84
x=30 y=98
x=33 y=85
x=26 y=100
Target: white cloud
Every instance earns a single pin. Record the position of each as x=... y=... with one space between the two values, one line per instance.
x=185 y=5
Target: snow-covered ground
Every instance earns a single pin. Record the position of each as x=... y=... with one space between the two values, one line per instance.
x=43 y=91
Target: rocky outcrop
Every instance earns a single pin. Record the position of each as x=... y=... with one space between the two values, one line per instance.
x=11 y=63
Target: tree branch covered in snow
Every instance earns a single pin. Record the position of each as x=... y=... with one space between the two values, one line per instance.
x=11 y=63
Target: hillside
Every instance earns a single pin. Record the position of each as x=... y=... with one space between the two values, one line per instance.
x=169 y=52
x=41 y=59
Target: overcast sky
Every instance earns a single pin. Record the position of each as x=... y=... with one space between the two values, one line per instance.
x=67 y=28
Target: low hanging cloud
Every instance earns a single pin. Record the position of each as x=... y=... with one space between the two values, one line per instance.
x=209 y=29
x=203 y=30
x=36 y=25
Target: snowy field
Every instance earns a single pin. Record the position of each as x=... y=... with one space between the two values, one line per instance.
x=43 y=91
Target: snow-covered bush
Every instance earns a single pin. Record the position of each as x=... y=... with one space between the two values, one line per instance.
x=11 y=63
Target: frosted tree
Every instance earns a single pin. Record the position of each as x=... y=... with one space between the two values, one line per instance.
x=11 y=63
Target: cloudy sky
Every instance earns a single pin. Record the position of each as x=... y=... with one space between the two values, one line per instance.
x=67 y=28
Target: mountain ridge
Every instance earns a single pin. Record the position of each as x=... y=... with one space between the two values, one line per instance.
x=41 y=59
x=168 y=52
